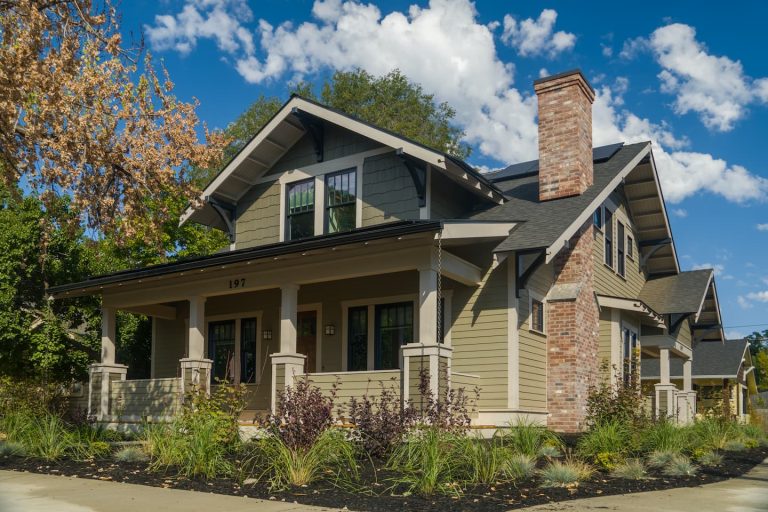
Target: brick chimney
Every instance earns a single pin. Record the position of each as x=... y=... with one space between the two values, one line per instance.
x=565 y=134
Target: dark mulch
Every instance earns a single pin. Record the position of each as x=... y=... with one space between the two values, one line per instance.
x=379 y=496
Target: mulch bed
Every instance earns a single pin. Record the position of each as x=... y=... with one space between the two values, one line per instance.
x=379 y=497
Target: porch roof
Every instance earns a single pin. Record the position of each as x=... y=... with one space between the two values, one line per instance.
x=394 y=229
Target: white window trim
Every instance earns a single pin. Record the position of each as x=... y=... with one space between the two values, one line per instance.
x=633 y=329
x=534 y=295
x=611 y=207
x=237 y=317
x=317 y=307
x=371 y=304
x=318 y=171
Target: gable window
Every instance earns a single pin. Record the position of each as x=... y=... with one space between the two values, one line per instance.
x=630 y=248
x=300 y=214
x=537 y=315
x=340 y=208
x=597 y=218
x=608 y=238
x=620 y=244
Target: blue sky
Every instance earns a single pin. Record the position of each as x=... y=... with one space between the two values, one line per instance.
x=692 y=79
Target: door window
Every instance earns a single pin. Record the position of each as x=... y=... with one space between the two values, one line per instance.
x=357 y=339
x=394 y=328
x=221 y=350
x=248 y=350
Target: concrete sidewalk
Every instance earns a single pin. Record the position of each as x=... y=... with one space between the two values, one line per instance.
x=29 y=492
x=744 y=494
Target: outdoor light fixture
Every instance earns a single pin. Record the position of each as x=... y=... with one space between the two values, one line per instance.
x=330 y=330
x=267 y=334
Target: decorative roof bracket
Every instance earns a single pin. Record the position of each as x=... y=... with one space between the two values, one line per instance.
x=654 y=245
x=226 y=213
x=314 y=127
x=525 y=271
x=418 y=171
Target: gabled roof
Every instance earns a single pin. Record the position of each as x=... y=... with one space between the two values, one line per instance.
x=710 y=360
x=287 y=127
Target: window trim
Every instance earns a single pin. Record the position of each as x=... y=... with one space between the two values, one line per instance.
x=621 y=249
x=533 y=295
x=632 y=329
x=630 y=252
x=287 y=214
x=599 y=227
x=608 y=238
x=326 y=208
x=238 y=317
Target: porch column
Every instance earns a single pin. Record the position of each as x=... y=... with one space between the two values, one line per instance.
x=687 y=405
x=427 y=355
x=687 y=375
x=102 y=374
x=666 y=403
x=196 y=368
x=287 y=363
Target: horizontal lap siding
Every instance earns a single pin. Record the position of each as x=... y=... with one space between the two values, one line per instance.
x=533 y=346
x=464 y=381
x=479 y=330
x=388 y=191
x=155 y=397
x=258 y=216
x=684 y=334
x=356 y=384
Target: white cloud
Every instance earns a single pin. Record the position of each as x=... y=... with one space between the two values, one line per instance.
x=680 y=212
x=606 y=50
x=734 y=335
x=714 y=87
x=762 y=227
x=220 y=20
x=761 y=296
x=532 y=37
x=457 y=60
x=717 y=267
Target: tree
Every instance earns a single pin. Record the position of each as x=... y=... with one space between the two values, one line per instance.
x=758 y=346
x=390 y=101
x=79 y=117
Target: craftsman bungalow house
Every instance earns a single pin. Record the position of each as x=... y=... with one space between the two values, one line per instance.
x=361 y=256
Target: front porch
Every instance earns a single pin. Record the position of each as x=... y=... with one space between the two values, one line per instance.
x=670 y=399
x=361 y=318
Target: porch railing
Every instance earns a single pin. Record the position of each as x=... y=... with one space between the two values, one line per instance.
x=153 y=399
x=356 y=384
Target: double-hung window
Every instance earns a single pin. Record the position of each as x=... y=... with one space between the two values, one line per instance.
x=629 y=354
x=340 y=195
x=630 y=248
x=394 y=328
x=620 y=241
x=597 y=218
x=608 y=238
x=300 y=211
x=537 y=315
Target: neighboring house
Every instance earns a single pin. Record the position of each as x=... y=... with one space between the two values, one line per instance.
x=722 y=373
x=360 y=255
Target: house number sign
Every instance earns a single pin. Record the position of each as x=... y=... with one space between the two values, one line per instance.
x=237 y=283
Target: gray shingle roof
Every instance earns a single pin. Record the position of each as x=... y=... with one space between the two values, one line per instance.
x=541 y=223
x=681 y=293
x=710 y=358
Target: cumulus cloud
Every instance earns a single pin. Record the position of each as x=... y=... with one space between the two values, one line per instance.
x=680 y=212
x=762 y=227
x=761 y=296
x=532 y=37
x=457 y=60
x=714 y=87
x=744 y=303
x=220 y=20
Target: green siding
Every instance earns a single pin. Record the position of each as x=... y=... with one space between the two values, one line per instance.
x=356 y=384
x=533 y=345
x=148 y=397
x=684 y=334
x=388 y=191
x=258 y=216
x=448 y=199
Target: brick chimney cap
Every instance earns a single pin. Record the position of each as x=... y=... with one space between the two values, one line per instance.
x=575 y=71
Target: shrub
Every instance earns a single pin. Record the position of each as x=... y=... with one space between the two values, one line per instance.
x=34 y=397
x=381 y=421
x=734 y=446
x=549 y=451
x=427 y=462
x=484 y=460
x=331 y=456
x=10 y=448
x=710 y=459
x=679 y=465
x=664 y=436
x=131 y=454
x=220 y=411
x=90 y=443
x=48 y=438
x=606 y=444
x=450 y=412
x=622 y=403
x=529 y=438
x=565 y=474
x=659 y=459
x=519 y=467
x=631 y=469
x=713 y=433
x=303 y=414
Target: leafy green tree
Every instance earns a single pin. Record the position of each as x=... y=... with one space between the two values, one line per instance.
x=758 y=346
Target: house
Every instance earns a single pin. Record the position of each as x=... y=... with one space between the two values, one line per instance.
x=361 y=256
x=722 y=374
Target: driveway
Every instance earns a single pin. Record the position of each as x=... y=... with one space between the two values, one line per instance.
x=28 y=492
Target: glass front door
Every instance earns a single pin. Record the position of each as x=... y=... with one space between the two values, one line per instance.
x=221 y=350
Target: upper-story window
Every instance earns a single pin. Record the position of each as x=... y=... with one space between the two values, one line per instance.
x=620 y=241
x=300 y=214
x=340 y=206
x=609 y=237
x=630 y=247
x=536 y=309
x=597 y=218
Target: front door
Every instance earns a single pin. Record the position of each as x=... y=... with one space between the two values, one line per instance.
x=306 y=338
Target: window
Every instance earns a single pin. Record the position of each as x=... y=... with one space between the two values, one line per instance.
x=221 y=350
x=248 y=351
x=357 y=339
x=394 y=328
x=340 y=191
x=630 y=248
x=629 y=354
x=301 y=210
x=608 y=238
x=597 y=217
x=537 y=315
x=620 y=244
